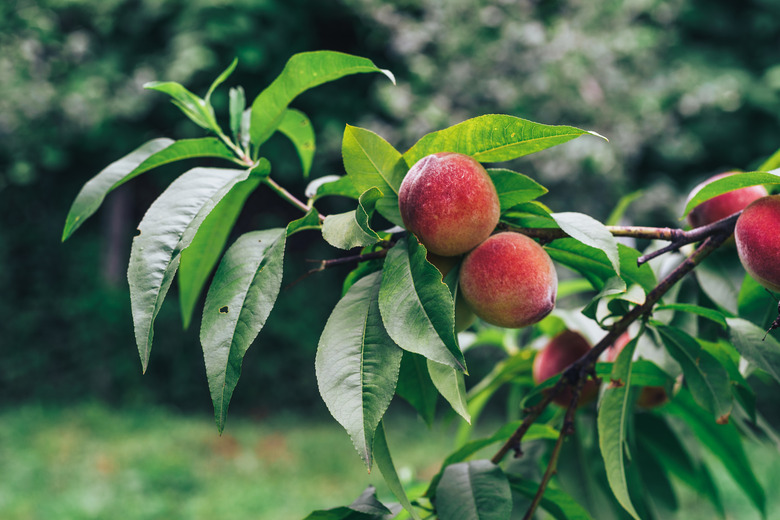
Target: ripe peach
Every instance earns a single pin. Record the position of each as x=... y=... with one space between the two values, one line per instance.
x=559 y=353
x=509 y=280
x=650 y=396
x=449 y=202
x=723 y=205
x=757 y=234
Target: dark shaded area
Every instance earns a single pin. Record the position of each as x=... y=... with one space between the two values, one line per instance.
x=681 y=89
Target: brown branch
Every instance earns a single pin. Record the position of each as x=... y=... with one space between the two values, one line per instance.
x=364 y=257
x=694 y=235
x=580 y=370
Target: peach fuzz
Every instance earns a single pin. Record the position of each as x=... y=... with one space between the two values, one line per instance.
x=559 y=353
x=449 y=202
x=723 y=205
x=757 y=235
x=509 y=280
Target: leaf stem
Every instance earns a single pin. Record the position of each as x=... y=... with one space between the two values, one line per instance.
x=289 y=197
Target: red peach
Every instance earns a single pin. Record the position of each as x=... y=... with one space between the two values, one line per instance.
x=559 y=353
x=449 y=202
x=723 y=205
x=757 y=235
x=509 y=280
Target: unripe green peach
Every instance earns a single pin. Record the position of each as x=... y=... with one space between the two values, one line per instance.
x=559 y=353
x=757 y=235
x=449 y=202
x=509 y=280
x=649 y=396
x=723 y=205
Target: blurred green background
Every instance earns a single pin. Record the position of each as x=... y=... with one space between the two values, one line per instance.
x=682 y=89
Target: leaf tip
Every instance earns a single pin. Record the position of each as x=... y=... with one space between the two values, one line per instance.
x=596 y=134
x=389 y=75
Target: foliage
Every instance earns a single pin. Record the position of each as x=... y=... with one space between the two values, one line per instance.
x=393 y=331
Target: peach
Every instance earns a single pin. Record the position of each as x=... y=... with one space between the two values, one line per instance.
x=559 y=353
x=449 y=202
x=723 y=205
x=757 y=235
x=650 y=396
x=509 y=280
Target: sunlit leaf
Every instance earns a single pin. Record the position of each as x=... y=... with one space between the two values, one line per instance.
x=338 y=185
x=493 y=138
x=220 y=80
x=590 y=232
x=514 y=188
x=239 y=300
x=297 y=128
x=195 y=108
x=357 y=364
x=417 y=307
x=474 y=490
x=302 y=72
x=370 y=162
x=169 y=226
x=237 y=105
x=352 y=229
x=730 y=183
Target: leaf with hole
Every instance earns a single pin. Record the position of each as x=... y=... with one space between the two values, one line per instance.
x=169 y=226
x=239 y=300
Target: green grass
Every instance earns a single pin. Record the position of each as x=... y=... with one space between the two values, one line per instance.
x=91 y=462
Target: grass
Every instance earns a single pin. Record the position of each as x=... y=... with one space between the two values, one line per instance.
x=90 y=462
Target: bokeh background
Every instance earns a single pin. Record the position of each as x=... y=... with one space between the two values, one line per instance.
x=681 y=88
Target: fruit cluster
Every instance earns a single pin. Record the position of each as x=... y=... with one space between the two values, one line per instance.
x=450 y=203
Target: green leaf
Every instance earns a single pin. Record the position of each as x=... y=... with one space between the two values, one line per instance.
x=529 y=214
x=643 y=373
x=220 y=79
x=475 y=490
x=417 y=307
x=195 y=108
x=707 y=379
x=749 y=342
x=723 y=441
x=302 y=72
x=493 y=138
x=370 y=162
x=730 y=183
x=297 y=127
x=514 y=188
x=237 y=101
x=152 y=154
x=590 y=232
x=202 y=255
x=169 y=226
x=754 y=303
x=716 y=280
x=772 y=163
x=614 y=410
x=415 y=386
x=559 y=504
x=331 y=185
x=704 y=312
x=365 y=507
x=620 y=208
x=451 y=385
x=352 y=229
x=656 y=437
x=385 y=464
x=357 y=364
x=239 y=300
x=310 y=221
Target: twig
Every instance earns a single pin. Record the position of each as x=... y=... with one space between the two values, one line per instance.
x=364 y=257
x=581 y=369
x=694 y=235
